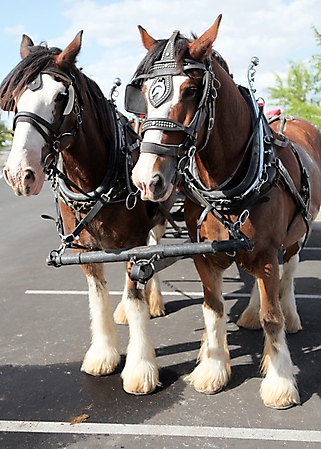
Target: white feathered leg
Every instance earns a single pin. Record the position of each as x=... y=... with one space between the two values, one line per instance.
x=287 y=296
x=278 y=388
x=250 y=318
x=103 y=354
x=213 y=371
x=153 y=290
x=140 y=374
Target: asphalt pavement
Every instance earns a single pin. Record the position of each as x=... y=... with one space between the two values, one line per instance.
x=44 y=334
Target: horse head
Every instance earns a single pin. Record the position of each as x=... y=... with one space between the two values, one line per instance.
x=174 y=88
x=40 y=92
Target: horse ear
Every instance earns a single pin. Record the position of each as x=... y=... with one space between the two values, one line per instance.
x=25 y=43
x=69 y=54
x=201 y=48
x=147 y=40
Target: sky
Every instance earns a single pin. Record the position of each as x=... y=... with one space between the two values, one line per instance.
x=275 y=31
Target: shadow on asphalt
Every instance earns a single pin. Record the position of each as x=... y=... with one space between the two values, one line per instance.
x=60 y=392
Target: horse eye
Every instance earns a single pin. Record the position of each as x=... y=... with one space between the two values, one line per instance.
x=189 y=93
x=60 y=97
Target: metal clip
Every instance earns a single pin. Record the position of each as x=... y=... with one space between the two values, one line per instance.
x=142 y=271
x=263 y=179
x=77 y=111
x=129 y=196
x=52 y=260
x=69 y=238
x=191 y=151
x=210 y=123
x=241 y=220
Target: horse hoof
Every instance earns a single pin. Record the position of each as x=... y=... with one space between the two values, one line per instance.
x=210 y=392
x=99 y=370
x=97 y=365
x=142 y=390
x=157 y=313
x=139 y=393
x=284 y=407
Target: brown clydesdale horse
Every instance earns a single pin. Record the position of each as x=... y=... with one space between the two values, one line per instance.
x=67 y=129
x=243 y=180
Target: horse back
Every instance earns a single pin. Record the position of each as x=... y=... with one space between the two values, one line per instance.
x=306 y=140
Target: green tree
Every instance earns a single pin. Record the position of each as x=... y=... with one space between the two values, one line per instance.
x=5 y=135
x=300 y=93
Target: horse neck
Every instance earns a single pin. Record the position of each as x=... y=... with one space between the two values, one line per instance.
x=85 y=162
x=229 y=136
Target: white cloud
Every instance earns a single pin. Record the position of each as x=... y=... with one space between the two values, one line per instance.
x=275 y=31
x=14 y=31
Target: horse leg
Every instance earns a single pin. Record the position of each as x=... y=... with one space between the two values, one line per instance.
x=119 y=314
x=213 y=370
x=250 y=317
x=153 y=290
x=278 y=388
x=287 y=296
x=103 y=355
x=140 y=374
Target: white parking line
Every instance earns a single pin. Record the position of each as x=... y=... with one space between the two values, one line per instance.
x=165 y=293
x=241 y=433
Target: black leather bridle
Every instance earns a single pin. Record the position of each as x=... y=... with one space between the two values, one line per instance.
x=54 y=137
x=162 y=72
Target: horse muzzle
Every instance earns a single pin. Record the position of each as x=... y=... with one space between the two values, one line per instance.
x=153 y=176
x=24 y=182
x=159 y=188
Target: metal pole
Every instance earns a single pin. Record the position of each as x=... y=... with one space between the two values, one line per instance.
x=146 y=253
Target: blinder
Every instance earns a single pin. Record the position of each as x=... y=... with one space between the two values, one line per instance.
x=134 y=99
x=35 y=84
x=71 y=100
x=162 y=85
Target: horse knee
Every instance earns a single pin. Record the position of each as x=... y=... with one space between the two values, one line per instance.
x=272 y=325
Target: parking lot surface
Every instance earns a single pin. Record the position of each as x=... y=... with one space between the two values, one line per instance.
x=44 y=334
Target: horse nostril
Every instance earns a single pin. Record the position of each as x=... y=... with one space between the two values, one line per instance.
x=5 y=174
x=157 y=182
x=29 y=176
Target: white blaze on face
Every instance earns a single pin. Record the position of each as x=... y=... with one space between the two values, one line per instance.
x=143 y=170
x=27 y=144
